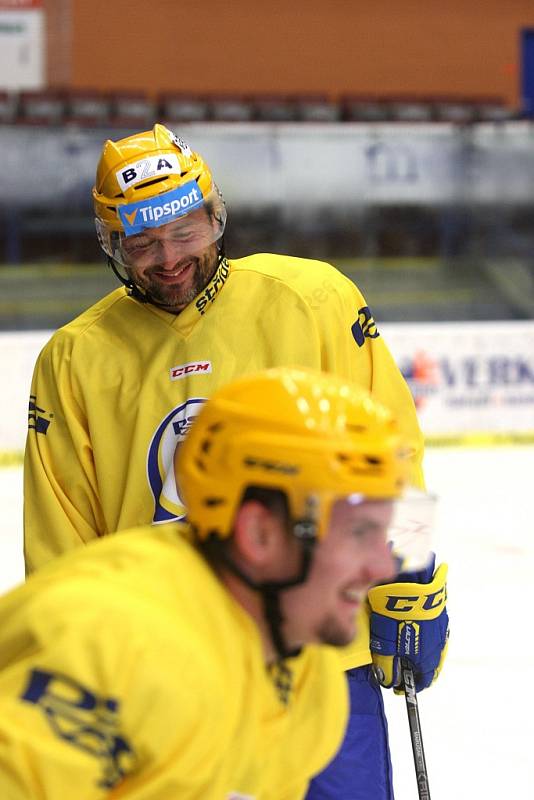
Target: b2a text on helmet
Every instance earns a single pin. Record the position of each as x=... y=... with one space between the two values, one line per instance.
x=147 y=168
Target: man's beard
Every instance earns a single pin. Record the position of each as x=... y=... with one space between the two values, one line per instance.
x=175 y=298
x=332 y=633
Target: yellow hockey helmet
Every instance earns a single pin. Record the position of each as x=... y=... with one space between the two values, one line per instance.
x=148 y=180
x=313 y=436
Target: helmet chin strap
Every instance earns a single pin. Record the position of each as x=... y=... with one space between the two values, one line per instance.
x=270 y=590
x=133 y=289
x=143 y=296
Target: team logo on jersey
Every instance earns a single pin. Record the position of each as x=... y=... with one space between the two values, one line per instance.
x=160 y=461
x=147 y=168
x=38 y=419
x=364 y=327
x=159 y=210
x=84 y=719
x=183 y=370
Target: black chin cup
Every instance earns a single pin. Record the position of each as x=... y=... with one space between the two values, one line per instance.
x=270 y=591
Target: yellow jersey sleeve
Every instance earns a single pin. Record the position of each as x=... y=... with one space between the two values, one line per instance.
x=353 y=347
x=126 y=667
x=62 y=505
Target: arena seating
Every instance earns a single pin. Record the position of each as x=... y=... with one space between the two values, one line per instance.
x=135 y=109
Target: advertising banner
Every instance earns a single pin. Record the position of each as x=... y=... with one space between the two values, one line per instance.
x=470 y=381
x=473 y=382
x=22 y=50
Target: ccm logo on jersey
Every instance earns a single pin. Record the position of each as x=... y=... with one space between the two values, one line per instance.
x=187 y=369
x=147 y=168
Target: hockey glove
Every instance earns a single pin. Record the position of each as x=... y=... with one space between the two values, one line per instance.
x=409 y=619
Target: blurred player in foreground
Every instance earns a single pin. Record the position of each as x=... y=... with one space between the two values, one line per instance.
x=116 y=390
x=195 y=660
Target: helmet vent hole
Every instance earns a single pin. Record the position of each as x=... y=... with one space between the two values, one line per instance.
x=205 y=446
x=200 y=465
x=216 y=427
x=375 y=462
x=356 y=428
x=213 y=501
x=343 y=457
x=149 y=183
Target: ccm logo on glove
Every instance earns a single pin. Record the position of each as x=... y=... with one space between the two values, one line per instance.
x=417 y=603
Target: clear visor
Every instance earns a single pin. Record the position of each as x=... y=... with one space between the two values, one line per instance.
x=411 y=530
x=406 y=524
x=188 y=234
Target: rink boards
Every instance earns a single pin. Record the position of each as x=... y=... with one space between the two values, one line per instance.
x=472 y=382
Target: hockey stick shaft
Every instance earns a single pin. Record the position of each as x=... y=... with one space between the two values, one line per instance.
x=412 y=709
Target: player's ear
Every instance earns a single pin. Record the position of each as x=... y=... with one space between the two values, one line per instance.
x=257 y=534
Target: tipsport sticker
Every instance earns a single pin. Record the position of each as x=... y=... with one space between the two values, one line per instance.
x=159 y=210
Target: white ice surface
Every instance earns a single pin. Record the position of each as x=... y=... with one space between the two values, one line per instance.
x=477 y=721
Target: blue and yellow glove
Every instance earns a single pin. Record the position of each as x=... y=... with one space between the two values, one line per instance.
x=409 y=620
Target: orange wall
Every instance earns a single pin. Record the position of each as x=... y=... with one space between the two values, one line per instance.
x=268 y=46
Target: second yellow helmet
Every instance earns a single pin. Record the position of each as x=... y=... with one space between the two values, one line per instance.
x=313 y=436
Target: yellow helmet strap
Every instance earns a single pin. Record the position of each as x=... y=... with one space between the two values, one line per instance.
x=133 y=289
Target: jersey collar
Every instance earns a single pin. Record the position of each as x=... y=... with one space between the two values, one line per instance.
x=200 y=306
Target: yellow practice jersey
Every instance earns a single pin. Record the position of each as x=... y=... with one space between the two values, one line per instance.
x=128 y=671
x=116 y=390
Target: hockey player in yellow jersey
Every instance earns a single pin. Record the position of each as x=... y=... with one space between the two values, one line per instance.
x=116 y=390
x=197 y=661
